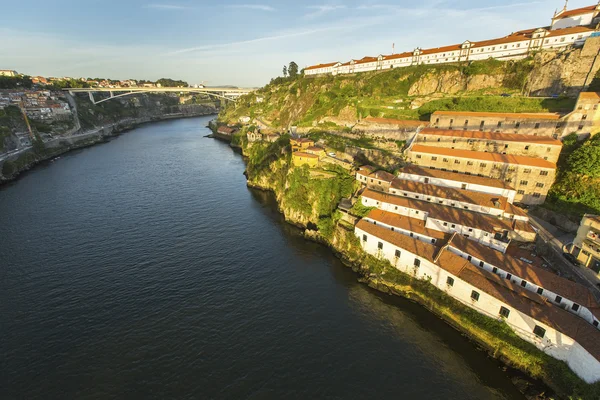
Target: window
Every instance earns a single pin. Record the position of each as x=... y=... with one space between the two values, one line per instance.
x=526 y=147
x=397 y=253
x=364 y=238
x=500 y=124
x=527 y=171
x=520 y=192
x=540 y=291
x=481 y=264
x=506 y=146
x=504 y=312
x=475 y=296
x=445 y=160
x=537 y=195
x=482 y=125
x=558 y=299
x=417 y=263
x=380 y=246
x=540 y=185
x=456 y=161
x=469 y=258
x=495 y=270
x=544 y=173
x=483 y=165
x=433 y=241
x=539 y=331
x=524 y=283
x=418 y=156
x=517 y=125
x=469 y=162
x=524 y=183
x=508 y=276
x=575 y=307
x=433 y=158
x=450 y=281
x=537 y=126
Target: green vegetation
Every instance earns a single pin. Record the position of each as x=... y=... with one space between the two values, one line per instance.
x=360 y=210
x=577 y=187
x=15 y=82
x=167 y=82
x=496 y=104
x=395 y=93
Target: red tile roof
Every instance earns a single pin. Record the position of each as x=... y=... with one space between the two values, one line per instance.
x=589 y=95
x=538 y=116
x=569 y=31
x=304 y=155
x=401 y=122
x=455 y=176
x=465 y=196
x=452 y=215
x=506 y=137
x=407 y=223
x=574 y=12
x=320 y=66
x=483 y=156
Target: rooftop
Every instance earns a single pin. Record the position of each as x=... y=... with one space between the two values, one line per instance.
x=537 y=116
x=383 y=176
x=574 y=12
x=506 y=137
x=407 y=223
x=455 y=176
x=452 y=215
x=321 y=66
x=305 y=155
x=401 y=122
x=465 y=196
x=484 y=156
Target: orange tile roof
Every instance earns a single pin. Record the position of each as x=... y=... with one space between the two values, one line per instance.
x=576 y=11
x=539 y=116
x=406 y=54
x=454 y=47
x=506 y=137
x=303 y=154
x=407 y=223
x=465 y=196
x=455 y=176
x=569 y=31
x=589 y=95
x=366 y=170
x=383 y=176
x=320 y=66
x=514 y=210
x=314 y=148
x=453 y=215
x=402 y=122
x=536 y=275
x=504 y=40
x=515 y=296
x=483 y=156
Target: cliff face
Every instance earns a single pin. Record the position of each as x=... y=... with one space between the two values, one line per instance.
x=334 y=103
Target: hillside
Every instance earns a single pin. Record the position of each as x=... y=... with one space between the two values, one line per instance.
x=332 y=103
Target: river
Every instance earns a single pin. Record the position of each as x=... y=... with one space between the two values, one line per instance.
x=144 y=268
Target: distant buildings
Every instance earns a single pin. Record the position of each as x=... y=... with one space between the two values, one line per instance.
x=8 y=72
x=568 y=28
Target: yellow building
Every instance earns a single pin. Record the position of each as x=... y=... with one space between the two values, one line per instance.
x=536 y=124
x=543 y=147
x=585 y=118
x=586 y=246
x=317 y=151
x=532 y=177
x=299 y=144
x=300 y=158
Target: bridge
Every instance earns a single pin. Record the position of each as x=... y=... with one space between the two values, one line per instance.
x=226 y=93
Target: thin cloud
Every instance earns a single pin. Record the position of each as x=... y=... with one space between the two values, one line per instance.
x=259 y=7
x=166 y=7
x=322 y=10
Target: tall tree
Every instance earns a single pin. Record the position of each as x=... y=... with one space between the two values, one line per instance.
x=284 y=71
x=293 y=69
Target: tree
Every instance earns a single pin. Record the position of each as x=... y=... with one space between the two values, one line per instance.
x=586 y=159
x=285 y=71
x=293 y=70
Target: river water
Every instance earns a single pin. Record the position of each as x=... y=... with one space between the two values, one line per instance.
x=144 y=268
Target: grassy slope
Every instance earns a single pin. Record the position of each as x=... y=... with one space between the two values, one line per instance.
x=386 y=94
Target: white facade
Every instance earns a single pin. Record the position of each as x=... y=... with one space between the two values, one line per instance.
x=553 y=342
x=472 y=232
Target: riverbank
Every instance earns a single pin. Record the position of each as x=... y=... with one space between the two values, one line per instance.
x=310 y=202
x=24 y=161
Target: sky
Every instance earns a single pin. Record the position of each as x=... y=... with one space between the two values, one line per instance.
x=240 y=42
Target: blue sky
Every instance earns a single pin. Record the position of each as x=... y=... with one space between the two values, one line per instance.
x=240 y=42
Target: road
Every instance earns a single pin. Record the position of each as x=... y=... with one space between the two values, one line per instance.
x=558 y=243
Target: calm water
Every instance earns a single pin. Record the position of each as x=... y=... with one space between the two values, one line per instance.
x=145 y=269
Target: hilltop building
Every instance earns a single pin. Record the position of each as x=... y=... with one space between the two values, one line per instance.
x=568 y=28
x=586 y=246
x=8 y=72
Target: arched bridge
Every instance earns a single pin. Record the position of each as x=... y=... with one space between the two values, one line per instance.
x=226 y=93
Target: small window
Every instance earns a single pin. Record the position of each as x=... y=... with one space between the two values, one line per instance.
x=450 y=281
x=495 y=270
x=418 y=156
x=524 y=283
x=518 y=125
x=483 y=165
x=537 y=195
x=539 y=331
x=481 y=264
x=469 y=258
x=575 y=307
x=543 y=173
x=558 y=299
x=596 y=323
x=380 y=246
x=417 y=263
x=364 y=238
x=504 y=312
x=397 y=253
x=526 y=147
x=520 y=192
x=537 y=126
x=524 y=183
x=508 y=276
x=540 y=185
x=456 y=161
x=540 y=291
x=474 y=295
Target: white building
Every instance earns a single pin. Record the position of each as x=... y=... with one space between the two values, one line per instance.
x=560 y=334
x=569 y=27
